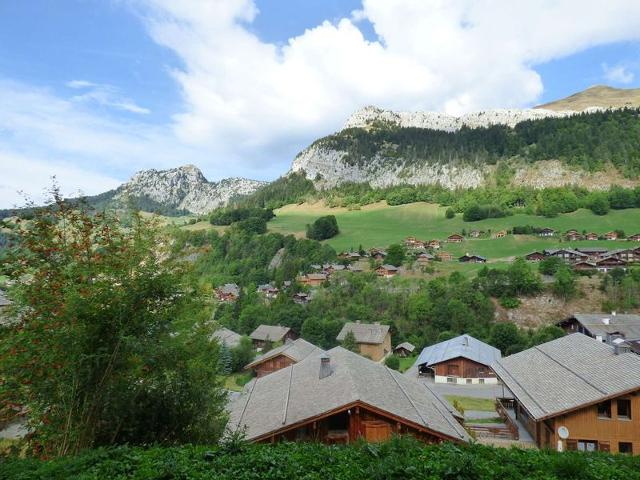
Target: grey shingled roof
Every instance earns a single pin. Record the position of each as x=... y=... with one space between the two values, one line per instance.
x=567 y=373
x=409 y=347
x=296 y=350
x=372 y=333
x=552 y=251
x=274 y=333
x=463 y=346
x=626 y=324
x=230 y=288
x=296 y=393
x=228 y=337
x=4 y=301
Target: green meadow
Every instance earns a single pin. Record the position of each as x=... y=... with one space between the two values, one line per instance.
x=380 y=225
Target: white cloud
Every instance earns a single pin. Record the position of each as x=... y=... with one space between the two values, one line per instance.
x=617 y=74
x=105 y=95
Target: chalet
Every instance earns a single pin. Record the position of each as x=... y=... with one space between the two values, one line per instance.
x=576 y=393
x=373 y=339
x=461 y=360
x=566 y=254
x=434 y=244
x=535 y=256
x=331 y=268
x=354 y=256
x=229 y=292
x=634 y=238
x=301 y=298
x=546 y=232
x=500 y=234
x=604 y=327
x=626 y=254
x=607 y=263
x=584 y=265
x=475 y=233
x=611 y=236
x=467 y=258
x=270 y=334
x=573 y=231
x=313 y=279
x=405 y=349
x=387 y=271
x=354 y=268
x=444 y=256
x=340 y=397
x=592 y=253
x=424 y=258
x=281 y=357
x=268 y=291
x=455 y=238
x=377 y=254
x=227 y=337
x=591 y=236
x=573 y=236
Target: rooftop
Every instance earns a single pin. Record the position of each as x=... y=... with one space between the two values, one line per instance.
x=373 y=333
x=464 y=346
x=228 y=337
x=273 y=333
x=601 y=324
x=296 y=350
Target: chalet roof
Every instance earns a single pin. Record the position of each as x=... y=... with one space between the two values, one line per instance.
x=547 y=229
x=296 y=350
x=568 y=373
x=391 y=268
x=591 y=249
x=296 y=394
x=230 y=289
x=467 y=255
x=266 y=287
x=372 y=333
x=600 y=324
x=553 y=251
x=462 y=346
x=409 y=347
x=228 y=337
x=4 y=301
x=273 y=333
x=316 y=276
x=426 y=255
x=455 y=235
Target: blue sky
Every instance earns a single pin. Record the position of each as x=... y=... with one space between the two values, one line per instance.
x=96 y=90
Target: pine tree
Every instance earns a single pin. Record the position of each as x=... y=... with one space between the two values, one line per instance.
x=349 y=342
x=225 y=359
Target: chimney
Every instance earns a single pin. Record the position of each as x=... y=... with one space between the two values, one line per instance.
x=620 y=348
x=325 y=366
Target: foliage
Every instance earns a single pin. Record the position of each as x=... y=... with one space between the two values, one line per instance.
x=450 y=213
x=393 y=362
x=518 y=278
x=509 y=302
x=550 y=265
x=109 y=345
x=396 y=254
x=242 y=354
x=323 y=228
x=473 y=213
x=458 y=406
x=622 y=290
x=349 y=342
x=292 y=188
x=507 y=338
x=564 y=285
x=227 y=216
x=598 y=203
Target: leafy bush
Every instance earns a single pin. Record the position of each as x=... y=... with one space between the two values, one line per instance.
x=510 y=302
x=392 y=362
x=323 y=228
x=450 y=213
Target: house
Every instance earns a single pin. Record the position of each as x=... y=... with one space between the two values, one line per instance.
x=424 y=258
x=270 y=334
x=467 y=258
x=354 y=268
x=227 y=337
x=405 y=349
x=331 y=268
x=229 y=292
x=634 y=238
x=462 y=360
x=566 y=254
x=387 y=271
x=434 y=244
x=377 y=254
x=626 y=254
x=535 y=256
x=301 y=298
x=593 y=252
x=607 y=263
x=500 y=234
x=313 y=279
x=546 y=232
x=268 y=291
x=604 y=327
x=584 y=265
x=611 y=236
x=591 y=236
x=455 y=238
x=281 y=357
x=373 y=339
x=444 y=256
x=575 y=393
x=475 y=233
x=573 y=236
x=340 y=397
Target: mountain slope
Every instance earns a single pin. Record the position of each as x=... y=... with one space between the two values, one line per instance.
x=599 y=96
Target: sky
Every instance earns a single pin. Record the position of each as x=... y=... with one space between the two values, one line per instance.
x=92 y=91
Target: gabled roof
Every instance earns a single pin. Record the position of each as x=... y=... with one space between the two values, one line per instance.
x=296 y=350
x=552 y=251
x=228 y=337
x=4 y=301
x=372 y=333
x=462 y=346
x=391 y=268
x=296 y=394
x=230 y=289
x=601 y=324
x=567 y=374
x=591 y=249
x=316 y=276
x=409 y=347
x=273 y=333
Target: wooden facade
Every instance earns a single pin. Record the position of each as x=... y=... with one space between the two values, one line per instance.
x=271 y=365
x=463 y=370
x=350 y=423
x=610 y=426
x=376 y=351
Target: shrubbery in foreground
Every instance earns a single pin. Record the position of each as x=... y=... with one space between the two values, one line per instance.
x=400 y=458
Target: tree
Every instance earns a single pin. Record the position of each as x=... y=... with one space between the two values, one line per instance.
x=395 y=255
x=564 y=285
x=550 y=265
x=110 y=346
x=323 y=228
x=507 y=338
x=598 y=203
x=242 y=354
x=349 y=342
x=225 y=359
x=392 y=362
x=522 y=279
x=450 y=213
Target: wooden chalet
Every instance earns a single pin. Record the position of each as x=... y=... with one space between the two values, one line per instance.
x=593 y=253
x=535 y=256
x=604 y=264
x=281 y=357
x=589 y=388
x=591 y=236
x=634 y=238
x=413 y=243
x=444 y=256
x=405 y=349
x=461 y=360
x=373 y=339
x=626 y=254
x=573 y=236
x=434 y=244
x=566 y=254
x=475 y=233
x=611 y=236
x=269 y=291
x=455 y=238
x=604 y=327
x=339 y=397
x=469 y=258
x=377 y=254
x=227 y=337
x=500 y=234
x=229 y=292
x=546 y=232
x=387 y=271
x=313 y=279
x=301 y=298
x=585 y=265
x=270 y=334
x=424 y=258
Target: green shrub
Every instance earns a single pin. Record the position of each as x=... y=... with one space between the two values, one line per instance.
x=392 y=362
x=510 y=302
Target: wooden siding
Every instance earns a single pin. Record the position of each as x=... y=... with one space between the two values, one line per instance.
x=376 y=351
x=463 y=368
x=272 y=365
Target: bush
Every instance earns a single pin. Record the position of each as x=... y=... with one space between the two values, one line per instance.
x=510 y=302
x=323 y=228
x=392 y=362
x=450 y=213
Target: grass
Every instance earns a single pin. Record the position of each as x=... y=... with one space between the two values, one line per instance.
x=380 y=225
x=236 y=381
x=484 y=420
x=406 y=363
x=473 y=403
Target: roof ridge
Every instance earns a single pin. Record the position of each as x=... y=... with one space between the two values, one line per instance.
x=570 y=370
x=426 y=424
x=455 y=425
x=506 y=371
x=286 y=404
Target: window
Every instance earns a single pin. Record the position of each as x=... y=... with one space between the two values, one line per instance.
x=451 y=380
x=481 y=380
x=604 y=409
x=587 y=446
x=625 y=447
x=624 y=409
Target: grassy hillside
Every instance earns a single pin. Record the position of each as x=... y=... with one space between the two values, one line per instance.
x=597 y=96
x=379 y=225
